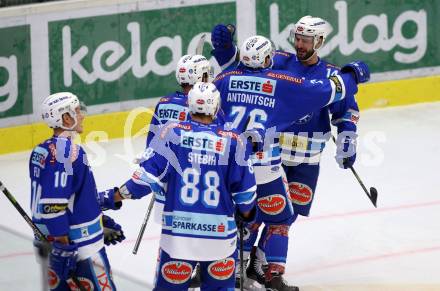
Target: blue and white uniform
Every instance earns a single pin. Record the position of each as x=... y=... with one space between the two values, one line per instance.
x=208 y=175
x=64 y=202
x=304 y=140
x=171 y=108
x=271 y=100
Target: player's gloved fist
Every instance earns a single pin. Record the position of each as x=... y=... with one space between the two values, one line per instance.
x=62 y=259
x=106 y=200
x=346 y=149
x=43 y=248
x=112 y=231
x=222 y=40
x=245 y=221
x=359 y=69
x=222 y=36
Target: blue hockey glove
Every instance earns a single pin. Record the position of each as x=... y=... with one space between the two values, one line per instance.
x=62 y=259
x=346 y=149
x=112 y=231
x=359 y=69
x=222 y=37
x=106 y=200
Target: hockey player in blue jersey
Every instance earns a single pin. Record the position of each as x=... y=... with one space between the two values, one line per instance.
x=65 y=204
x=304 y=140
x=255 y=97
x=212 y=179
x=174 y=107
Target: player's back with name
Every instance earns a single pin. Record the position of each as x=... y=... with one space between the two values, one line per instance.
x=200 y=144
x=285 y=97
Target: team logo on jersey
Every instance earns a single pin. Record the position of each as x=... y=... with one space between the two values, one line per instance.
x=176 y=272
x=300 y=194
x=52 y=208
x=53 y=279
x=173 y=112
x=203 y=141
x=272 y=204
x=39 y=157
x=252 y=84
x=222 y=269
x=85 y=283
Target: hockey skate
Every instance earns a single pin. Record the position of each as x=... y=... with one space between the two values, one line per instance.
x=274 y=280
x=255 y=270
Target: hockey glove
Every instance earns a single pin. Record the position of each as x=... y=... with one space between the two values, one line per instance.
x=43 y=248
x=106 y=200
x=222 y=40
x=62 y=259
x=346 y=149
x=359 y=69
x=222 y=36
x=112 y=231
x=248 y=222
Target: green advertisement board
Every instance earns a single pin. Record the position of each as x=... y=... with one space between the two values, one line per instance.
x=15 y=71
x=390 y=35
x=127 y=56
x=115 y=53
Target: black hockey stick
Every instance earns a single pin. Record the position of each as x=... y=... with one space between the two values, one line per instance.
x=372 y=194
x=241 y=229
x=144 y=225
x=35 y=229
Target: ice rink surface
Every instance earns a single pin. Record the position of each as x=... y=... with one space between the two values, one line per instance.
x=345 y=244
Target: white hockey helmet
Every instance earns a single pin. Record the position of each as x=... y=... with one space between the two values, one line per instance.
x=311 y=26
x=191 y=69
x=55 y=105
x=204 y=98
x=255 y=50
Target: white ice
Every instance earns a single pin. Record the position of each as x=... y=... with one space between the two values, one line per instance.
x=345 y=244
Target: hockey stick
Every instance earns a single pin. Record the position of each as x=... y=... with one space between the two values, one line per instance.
x=241 y=229
x=143 y=226
x=200 y=44
x=372 y=194
x=35 y=229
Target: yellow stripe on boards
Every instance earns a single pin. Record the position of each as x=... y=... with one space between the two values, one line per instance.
x=112 y=125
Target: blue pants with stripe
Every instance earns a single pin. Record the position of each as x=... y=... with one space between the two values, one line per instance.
x=276 y=212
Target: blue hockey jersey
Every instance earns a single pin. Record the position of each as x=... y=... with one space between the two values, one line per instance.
x=208 y=174
x=273 y=99
x=171 y=108
x=64 y=196
x=305 y=138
